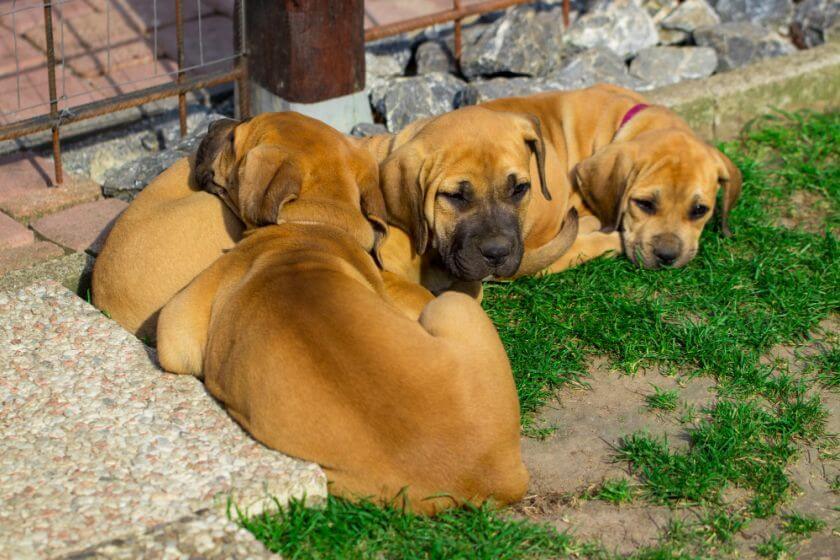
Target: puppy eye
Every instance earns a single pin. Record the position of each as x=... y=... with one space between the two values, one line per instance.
x=698 y=211
x=519 y=190
x=455 y=197
x=645 y=205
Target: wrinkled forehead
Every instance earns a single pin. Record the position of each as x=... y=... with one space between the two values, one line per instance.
x=679 y=165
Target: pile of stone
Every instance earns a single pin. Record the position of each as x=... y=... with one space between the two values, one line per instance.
x=639 y=44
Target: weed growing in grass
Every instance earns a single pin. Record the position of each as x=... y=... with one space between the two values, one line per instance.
x=774 y=547
x=362 y=530
x=615 y=491
x=796 y=524
x=662 y=399
x=827 y=367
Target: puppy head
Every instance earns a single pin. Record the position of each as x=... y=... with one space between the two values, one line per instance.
x=461 y=185
x=281 y=167
x=659 y=189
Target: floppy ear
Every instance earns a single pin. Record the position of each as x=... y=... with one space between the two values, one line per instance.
x=373 y=208
x=730 y=179
x=602 y=180
x=536 y=143
x=219 y=137
x=268 y=179
x=403 y=194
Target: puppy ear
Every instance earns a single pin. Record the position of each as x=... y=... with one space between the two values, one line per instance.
x=268 y=179
x=730 y=179
x=373 y=208
x=602 y=180
x=536 y=143
x=219 y=137
x=403 y=193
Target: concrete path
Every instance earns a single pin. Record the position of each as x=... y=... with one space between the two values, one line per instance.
x=99 y=444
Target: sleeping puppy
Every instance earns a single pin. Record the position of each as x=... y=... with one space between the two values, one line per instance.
x=295 y=333
x=457 y=188
x=172 y=231
x=635 y=171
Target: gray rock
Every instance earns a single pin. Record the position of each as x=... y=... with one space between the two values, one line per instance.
x=386 y=59
x=816 y=22
x=770 y=13
x=95 y=155
x=622 y=26
x=690 y=15
x=434 y=56
x=678 y=26
x=662 y=66
x=741 y=43
x=367 y=129
x=596 y=65
x=403 y=100
x=127 y=180
x=485 y=90
x=659 y=9
x=527 y=40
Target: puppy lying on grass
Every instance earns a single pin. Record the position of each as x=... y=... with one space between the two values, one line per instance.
x=294 y=331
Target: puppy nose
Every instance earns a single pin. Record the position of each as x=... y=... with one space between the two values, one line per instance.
x=667 y=249
x=495 y=250
x=666 y=257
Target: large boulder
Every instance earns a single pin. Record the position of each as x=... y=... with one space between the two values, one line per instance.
x=485 y=90
x=770 y=13
x=527 y=41
x=596 y=65
x=741 y=43
x=678 y=26
x=621 y=26
x=662 y=66
x=403 y=100
x=816 y=22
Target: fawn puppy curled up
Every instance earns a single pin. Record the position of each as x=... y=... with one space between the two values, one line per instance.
x=295 y=332
x=172 y=231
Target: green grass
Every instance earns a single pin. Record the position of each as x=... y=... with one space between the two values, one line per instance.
x=716 y=317
x=617 y=491
x=796 y=524
x=663 y=399
x=347 y=531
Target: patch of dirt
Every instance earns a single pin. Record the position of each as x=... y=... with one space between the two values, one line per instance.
x=590 y=423
x=620 y=529
x=805 y=210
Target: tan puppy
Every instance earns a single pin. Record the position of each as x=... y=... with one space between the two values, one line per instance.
x=294 y=331
x=171 y=232
x=640 y=170
x=457 y=187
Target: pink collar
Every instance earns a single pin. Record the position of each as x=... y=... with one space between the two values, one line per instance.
x=634 y=110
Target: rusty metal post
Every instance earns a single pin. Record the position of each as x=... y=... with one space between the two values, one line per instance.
x=179 y=38
x=456 y=5
x=240 y=44
x=56 y=140
x=566 y=8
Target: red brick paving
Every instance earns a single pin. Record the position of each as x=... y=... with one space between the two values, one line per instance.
x=82 y=227
x=217 y=33
x=28 y=255
x=24 y=191
x=13 y=234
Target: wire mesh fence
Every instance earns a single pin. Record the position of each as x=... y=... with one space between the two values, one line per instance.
x=62 y=61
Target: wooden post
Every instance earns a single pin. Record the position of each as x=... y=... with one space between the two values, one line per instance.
x=306 y=51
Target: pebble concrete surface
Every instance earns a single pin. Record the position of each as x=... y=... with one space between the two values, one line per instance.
x=99 y=444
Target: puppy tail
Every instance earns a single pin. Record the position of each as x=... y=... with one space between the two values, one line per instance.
x=541 y=258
